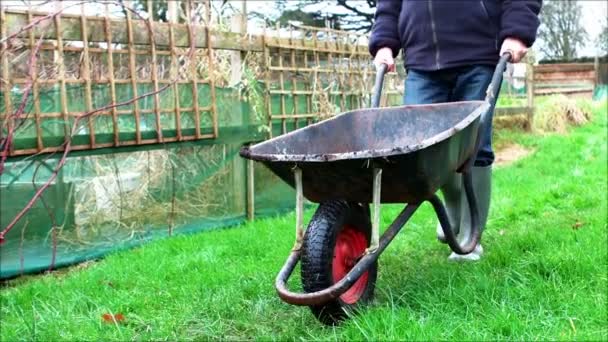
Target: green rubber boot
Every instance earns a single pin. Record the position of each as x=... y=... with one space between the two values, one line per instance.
x=453 y=196
x=482 y=186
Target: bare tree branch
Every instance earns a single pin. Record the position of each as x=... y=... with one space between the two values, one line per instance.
x=561 y=33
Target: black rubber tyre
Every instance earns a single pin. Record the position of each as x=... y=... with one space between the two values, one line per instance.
x=333 y=220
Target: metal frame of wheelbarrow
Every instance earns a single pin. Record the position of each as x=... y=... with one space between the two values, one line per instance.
x=377 y=244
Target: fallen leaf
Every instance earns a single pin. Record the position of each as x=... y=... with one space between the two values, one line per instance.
x=577 y=225
x=109 y=318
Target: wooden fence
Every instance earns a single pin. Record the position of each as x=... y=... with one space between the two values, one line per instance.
x=134 y=81
x=525 y=101
x=566 y=78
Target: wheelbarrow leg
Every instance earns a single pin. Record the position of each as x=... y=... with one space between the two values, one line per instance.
x=472 y=236
x=373 y=246
x=299 y=209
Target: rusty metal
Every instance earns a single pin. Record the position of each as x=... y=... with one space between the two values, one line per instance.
x=333 y=292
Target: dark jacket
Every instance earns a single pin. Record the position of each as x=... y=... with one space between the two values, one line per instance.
x=439 y=34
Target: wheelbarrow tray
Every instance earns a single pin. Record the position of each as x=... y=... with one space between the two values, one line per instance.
x=417 y=147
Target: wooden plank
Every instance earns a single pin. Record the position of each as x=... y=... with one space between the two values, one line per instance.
x=596 y=70
x=35 y=90
x=564 y=67
x=295 y=116
x=173 y=70
x=565 y=91
x=133 y=74
x=110 y=75
x=86 y=74
x=530 y=91
x=210 y=66
x=16 y=20
x=193 y=72
x=159 y=129
x=57 y=25
x=7 y=119
x=565 y=76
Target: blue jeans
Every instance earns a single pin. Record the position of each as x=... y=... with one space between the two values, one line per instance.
x=456 y=84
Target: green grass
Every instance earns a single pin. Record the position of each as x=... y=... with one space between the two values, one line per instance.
x=511 y=101
x=544 y=275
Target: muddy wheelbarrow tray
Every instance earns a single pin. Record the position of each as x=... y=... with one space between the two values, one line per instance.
x=417 y=148
x=370 y=156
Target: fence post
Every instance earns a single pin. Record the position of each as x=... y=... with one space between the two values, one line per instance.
x=238 y=24
x=596 y=69
x=530 y=90
x=172 y=13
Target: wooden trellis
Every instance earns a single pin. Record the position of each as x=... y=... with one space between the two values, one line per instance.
x=90 y=64
x=314 y=73
x=99 y=70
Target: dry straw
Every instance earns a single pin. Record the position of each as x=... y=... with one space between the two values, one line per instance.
x=556 y=113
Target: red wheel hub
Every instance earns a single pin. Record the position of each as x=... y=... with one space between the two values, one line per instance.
x=350 y=246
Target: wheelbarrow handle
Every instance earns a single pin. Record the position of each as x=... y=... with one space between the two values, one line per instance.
x=382 y=69
x=494 y=87
x=491 y=98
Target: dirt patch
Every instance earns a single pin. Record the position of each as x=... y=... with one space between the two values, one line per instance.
x=510 y=154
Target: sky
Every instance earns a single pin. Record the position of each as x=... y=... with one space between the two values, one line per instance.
x=595 y=12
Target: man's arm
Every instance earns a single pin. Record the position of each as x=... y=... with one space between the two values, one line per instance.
x=520 y=20
x=385 y=32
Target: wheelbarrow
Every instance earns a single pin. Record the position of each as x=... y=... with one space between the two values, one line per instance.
x=371 y=156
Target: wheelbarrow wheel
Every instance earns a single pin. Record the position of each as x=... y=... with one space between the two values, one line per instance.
x=337 y=236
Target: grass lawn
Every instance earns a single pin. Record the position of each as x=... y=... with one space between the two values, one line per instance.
x=544 y=275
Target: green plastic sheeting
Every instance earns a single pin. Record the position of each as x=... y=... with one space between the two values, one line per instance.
x=600 y=93
x=115 y=198
x=110 y=199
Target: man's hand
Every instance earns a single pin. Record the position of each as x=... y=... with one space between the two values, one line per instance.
x=516 y=47
x=385 y=56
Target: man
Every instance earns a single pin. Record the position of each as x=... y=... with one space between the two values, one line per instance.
x=451 y=48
